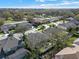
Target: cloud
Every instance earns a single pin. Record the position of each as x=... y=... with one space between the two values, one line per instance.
x=69 y=2
x=64 y=4
x=61 y=4
x=44 y=0
x=40 y=0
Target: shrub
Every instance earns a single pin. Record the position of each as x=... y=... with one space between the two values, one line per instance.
x=77 y=17
x=69 y=41
x=1 y=22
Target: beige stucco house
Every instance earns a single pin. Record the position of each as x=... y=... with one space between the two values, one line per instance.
x=68 y=53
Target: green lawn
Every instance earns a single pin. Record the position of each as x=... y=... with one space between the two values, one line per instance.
x=69 y=42
x=9 y=21
x=1 y=33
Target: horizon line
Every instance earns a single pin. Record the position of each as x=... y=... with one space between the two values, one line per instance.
x=37 y=8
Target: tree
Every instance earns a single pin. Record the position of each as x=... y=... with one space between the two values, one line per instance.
x=33 y=53
x=52 y=25
x=10 y=18
x=29 y=18
x=22 y=27
x=41 y=27
x=63 y=19
x=7 y=14
x=59 y=42
x=77 y=17
x=1 y=22
x=18 y=16
x=72 y=30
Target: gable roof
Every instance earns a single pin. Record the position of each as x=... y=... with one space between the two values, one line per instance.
x=68 y=25
x=68 y=53
x=18 y=36
x=75 y=22
x=19 y=54
x=3 y=40
x=35 y=38
x=52 y=31
x=10 y=43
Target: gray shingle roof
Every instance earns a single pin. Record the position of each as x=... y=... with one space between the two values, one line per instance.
x=19 y=54
x=75 y=22
x=18 y=36
x=70 y=18
x=67 y=25
x=35 y=38
x=24 y=26
x=3 y=40
x=10 y=43
x=52 y=31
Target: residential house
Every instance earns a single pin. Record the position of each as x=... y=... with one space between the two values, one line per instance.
x=70 y=19
x=11 y=46
x=35 y=39
x=3 y=39
x=68 y=53
x=67 y=26
x=52 y=31
x=5 y=28
x=11 y=26
x=18 y=36
x=13 y=43
x=19 y=54
x=24 y=26
x=39 y=20
x=53 y=19
x=75 y=22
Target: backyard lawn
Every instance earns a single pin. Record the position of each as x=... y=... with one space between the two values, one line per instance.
x=69 y=41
